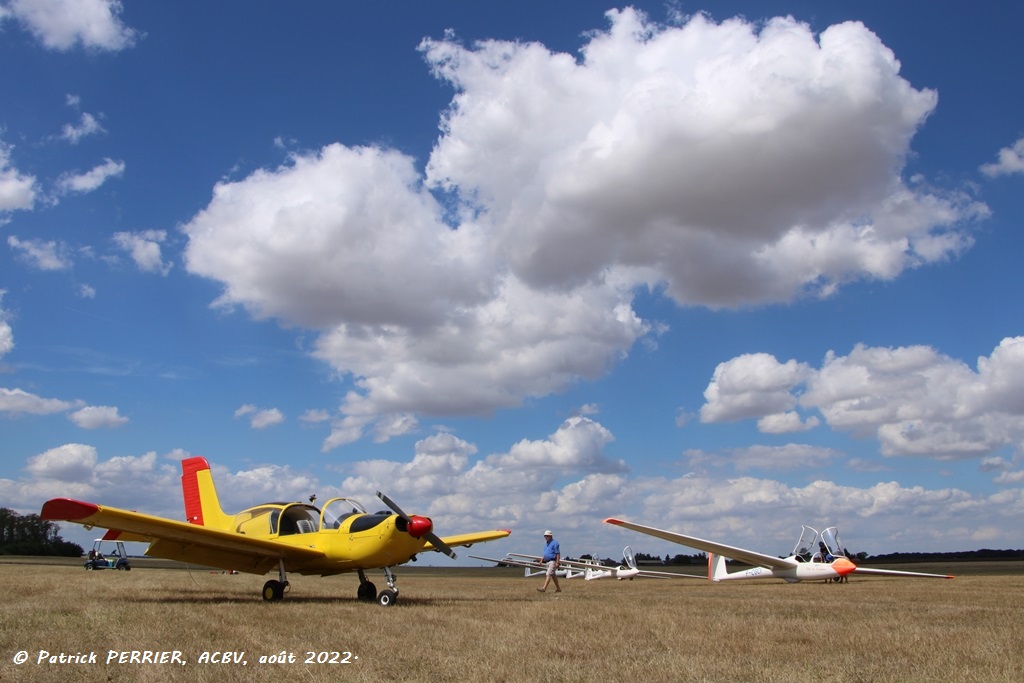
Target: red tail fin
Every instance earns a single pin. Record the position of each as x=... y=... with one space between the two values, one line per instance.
x=190 y=468
x=201 y=503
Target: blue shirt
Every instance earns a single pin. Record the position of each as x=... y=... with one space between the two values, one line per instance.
x=551 y=550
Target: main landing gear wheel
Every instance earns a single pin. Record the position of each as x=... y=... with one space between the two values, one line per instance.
x=273 y=590
x=367 y=591
x=387 y=598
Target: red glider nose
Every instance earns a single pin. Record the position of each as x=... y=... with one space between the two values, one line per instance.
x=420 y=526
x=843 y=566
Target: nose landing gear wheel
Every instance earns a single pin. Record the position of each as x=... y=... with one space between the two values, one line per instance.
x=387 y=598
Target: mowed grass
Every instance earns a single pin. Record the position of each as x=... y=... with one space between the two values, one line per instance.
x=492 y=625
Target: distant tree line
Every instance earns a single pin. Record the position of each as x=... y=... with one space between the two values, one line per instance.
x=961 y=556
x=32 y=535
x=672 y=560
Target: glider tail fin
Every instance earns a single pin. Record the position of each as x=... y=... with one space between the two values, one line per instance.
x=716 y=567
x=201 y=503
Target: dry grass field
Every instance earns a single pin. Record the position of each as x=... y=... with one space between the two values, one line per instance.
x=492 y=625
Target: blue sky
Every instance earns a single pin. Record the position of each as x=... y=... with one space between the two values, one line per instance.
x=726 y=269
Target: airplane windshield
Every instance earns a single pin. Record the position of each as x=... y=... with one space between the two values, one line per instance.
x=830 y=537
x=338 y=509
x=806 y=545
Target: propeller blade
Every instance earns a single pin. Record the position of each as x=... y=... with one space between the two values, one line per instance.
x=434 y=539
x=391 y=504
x=440 y=545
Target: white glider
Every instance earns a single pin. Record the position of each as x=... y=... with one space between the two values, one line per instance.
x=590 y=570
x=828 y=563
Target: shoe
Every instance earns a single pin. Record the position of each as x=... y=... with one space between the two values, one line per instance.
x=540 y=590
x=559 y=590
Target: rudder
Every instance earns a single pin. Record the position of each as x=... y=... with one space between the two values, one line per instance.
x=202 y=506
x=716 y=567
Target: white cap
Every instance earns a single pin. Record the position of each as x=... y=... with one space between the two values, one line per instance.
x=548 y=533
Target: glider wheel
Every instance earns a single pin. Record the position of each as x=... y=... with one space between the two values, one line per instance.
x=387 y=598
x=367 y=591
x=273 y=590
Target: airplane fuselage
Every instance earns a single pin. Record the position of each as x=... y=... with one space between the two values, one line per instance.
x=620 y=573
x=799 y=571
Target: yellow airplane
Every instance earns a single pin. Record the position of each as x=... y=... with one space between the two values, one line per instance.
x=342 y=537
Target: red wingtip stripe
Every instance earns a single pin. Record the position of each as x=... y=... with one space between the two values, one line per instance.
x=67 y=509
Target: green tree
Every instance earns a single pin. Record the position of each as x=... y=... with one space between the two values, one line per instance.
x=32 y=535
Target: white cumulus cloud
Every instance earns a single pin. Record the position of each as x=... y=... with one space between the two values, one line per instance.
x=93 y=179
x=41 y=254
x=17 y=190
x=19 y=401
x=1011 y=160
x=89 y=125
x=63 y=24
x=98 y=417
x=6 y=333
x=260 y=418
x=913 y=399
x=145 y=249
x=723 y=164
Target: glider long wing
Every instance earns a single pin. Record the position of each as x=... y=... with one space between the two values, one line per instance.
x=896 y=572
x=651 y=574
x=749 y=556
x=538 y=561
x=176 y=540
x=534 y=562
x=510 y=561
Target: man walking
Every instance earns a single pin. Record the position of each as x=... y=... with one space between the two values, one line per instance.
x=552 y=556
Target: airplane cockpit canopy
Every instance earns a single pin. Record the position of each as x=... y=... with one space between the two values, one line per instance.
x=284 y=519
x=627 y=557
x=818 y=547
x=830 y=537
x=806 y=545
x=336 y=510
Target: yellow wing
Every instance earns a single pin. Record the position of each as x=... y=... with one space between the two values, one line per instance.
x=466 y=540
x=174 y=540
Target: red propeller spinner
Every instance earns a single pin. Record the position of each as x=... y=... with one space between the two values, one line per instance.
x=419 y=527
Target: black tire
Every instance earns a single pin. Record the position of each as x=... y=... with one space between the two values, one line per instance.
x=367 y=591
x=273 y=590
x=89 y=567
x=387 y=598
